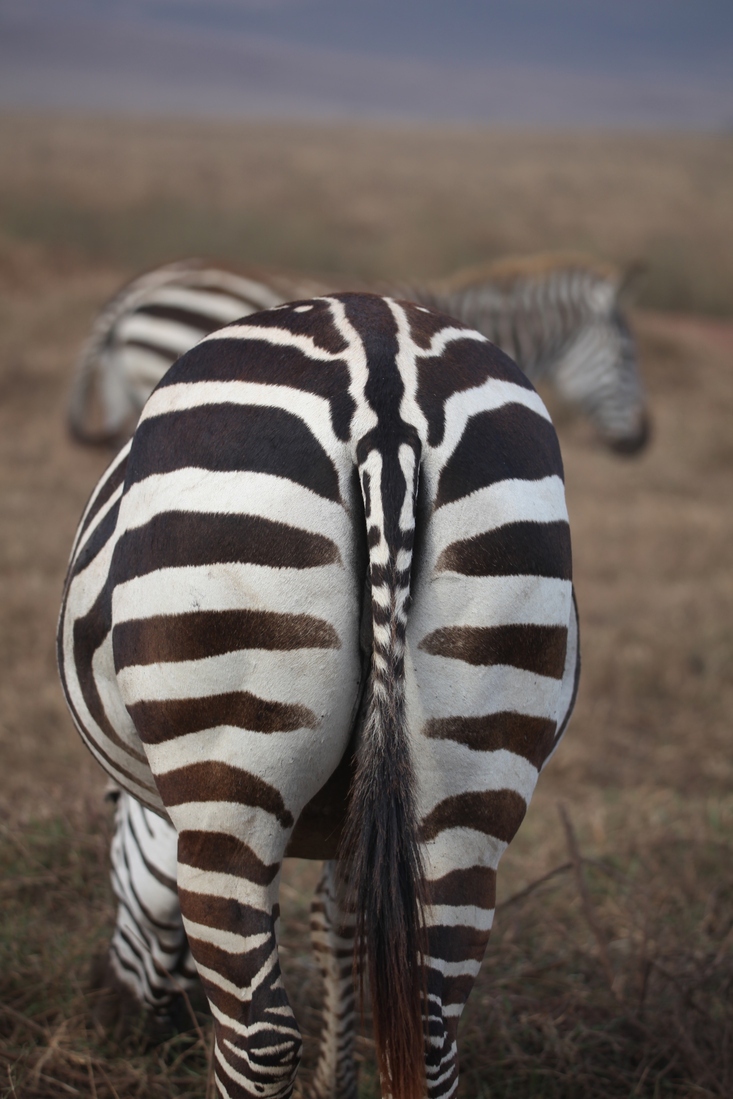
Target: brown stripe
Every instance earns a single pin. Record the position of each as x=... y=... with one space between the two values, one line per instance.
x=538 y=649
x=239 y=968
x=157 y=873
x=317 y=324
x=224 y=913
x=494 y=812
x=475 y=885
x=529 y=737
x=108 y=489
x=515 y=549
x=204 y=322
x=255 y=360
x=96 y=541
x=166 y=354
x=166 y=638
x=457 y=944
x=463 y=365
x=231 y=437
x=511 y=442
x=89 y=634
x=174 y=539
x=221 y=853
x=214 y=781
x=158 y=721
x=455 y=990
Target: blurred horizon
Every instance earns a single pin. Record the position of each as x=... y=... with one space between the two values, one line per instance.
x=664 y=64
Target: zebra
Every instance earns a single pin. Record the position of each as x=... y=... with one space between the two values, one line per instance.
x=557 y=316
x=321 y=605
x=143 y=329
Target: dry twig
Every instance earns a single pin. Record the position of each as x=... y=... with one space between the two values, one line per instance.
x=585 y=897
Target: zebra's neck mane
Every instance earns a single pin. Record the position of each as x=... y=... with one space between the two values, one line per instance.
x=512 y=269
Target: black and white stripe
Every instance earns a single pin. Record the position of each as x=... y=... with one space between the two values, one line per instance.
x=337 y=545
x=559 y=318
x=142 y=330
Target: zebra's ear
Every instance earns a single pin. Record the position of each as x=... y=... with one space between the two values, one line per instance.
x=629 y=281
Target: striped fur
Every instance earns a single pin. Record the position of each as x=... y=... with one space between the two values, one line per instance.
x=557 y=316
x=243 y=615
x=144 y=329
x=149 y=952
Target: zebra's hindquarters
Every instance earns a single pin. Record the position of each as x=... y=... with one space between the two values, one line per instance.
x=212 y=635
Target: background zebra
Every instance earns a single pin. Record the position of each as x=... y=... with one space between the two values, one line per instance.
x=558 y=317
x=243 y=623
x=144 y=328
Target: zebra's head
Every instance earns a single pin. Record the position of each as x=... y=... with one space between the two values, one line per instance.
x=598 y=371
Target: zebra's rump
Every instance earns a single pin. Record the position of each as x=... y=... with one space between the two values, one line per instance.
x=232 y=532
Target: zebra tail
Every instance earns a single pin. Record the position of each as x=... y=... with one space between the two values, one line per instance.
x=381 y=838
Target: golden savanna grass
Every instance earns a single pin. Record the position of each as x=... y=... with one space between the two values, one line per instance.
x=609 y=973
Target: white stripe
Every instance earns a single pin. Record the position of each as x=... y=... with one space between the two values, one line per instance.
x=461 y=849
x=445 y=769
x=314 y=411
x=297 y=677
x=468 y=968
x=222 y=308
x=158 y=332
x=277 y=337
x=226 y=940
x=233 y=585
x=442 y=687
x=235 y=492
x=485 y=601
x=459 y=915
x=207 y=883
x=510 y=501
x=253 y=826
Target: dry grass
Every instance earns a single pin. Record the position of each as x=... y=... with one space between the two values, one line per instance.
x=609 y=976
x=355 y=200
x=625 y=993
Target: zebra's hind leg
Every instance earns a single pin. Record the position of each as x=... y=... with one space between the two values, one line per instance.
x=332 y=935
x=229 y=901
x=458 y=918
x=149 y=964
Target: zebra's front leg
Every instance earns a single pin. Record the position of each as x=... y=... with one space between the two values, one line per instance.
x=149 y=963
x=332 y=935
x=229 y=902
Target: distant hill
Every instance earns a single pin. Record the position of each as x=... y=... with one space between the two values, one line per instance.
x=82 y=56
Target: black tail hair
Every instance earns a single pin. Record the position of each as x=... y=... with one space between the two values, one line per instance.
x=382 y=841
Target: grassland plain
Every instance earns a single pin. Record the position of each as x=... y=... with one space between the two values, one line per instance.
x=611 y=966
x=358 y=200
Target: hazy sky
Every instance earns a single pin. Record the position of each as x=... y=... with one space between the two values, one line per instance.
x=591 y=62
x=616 y=34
